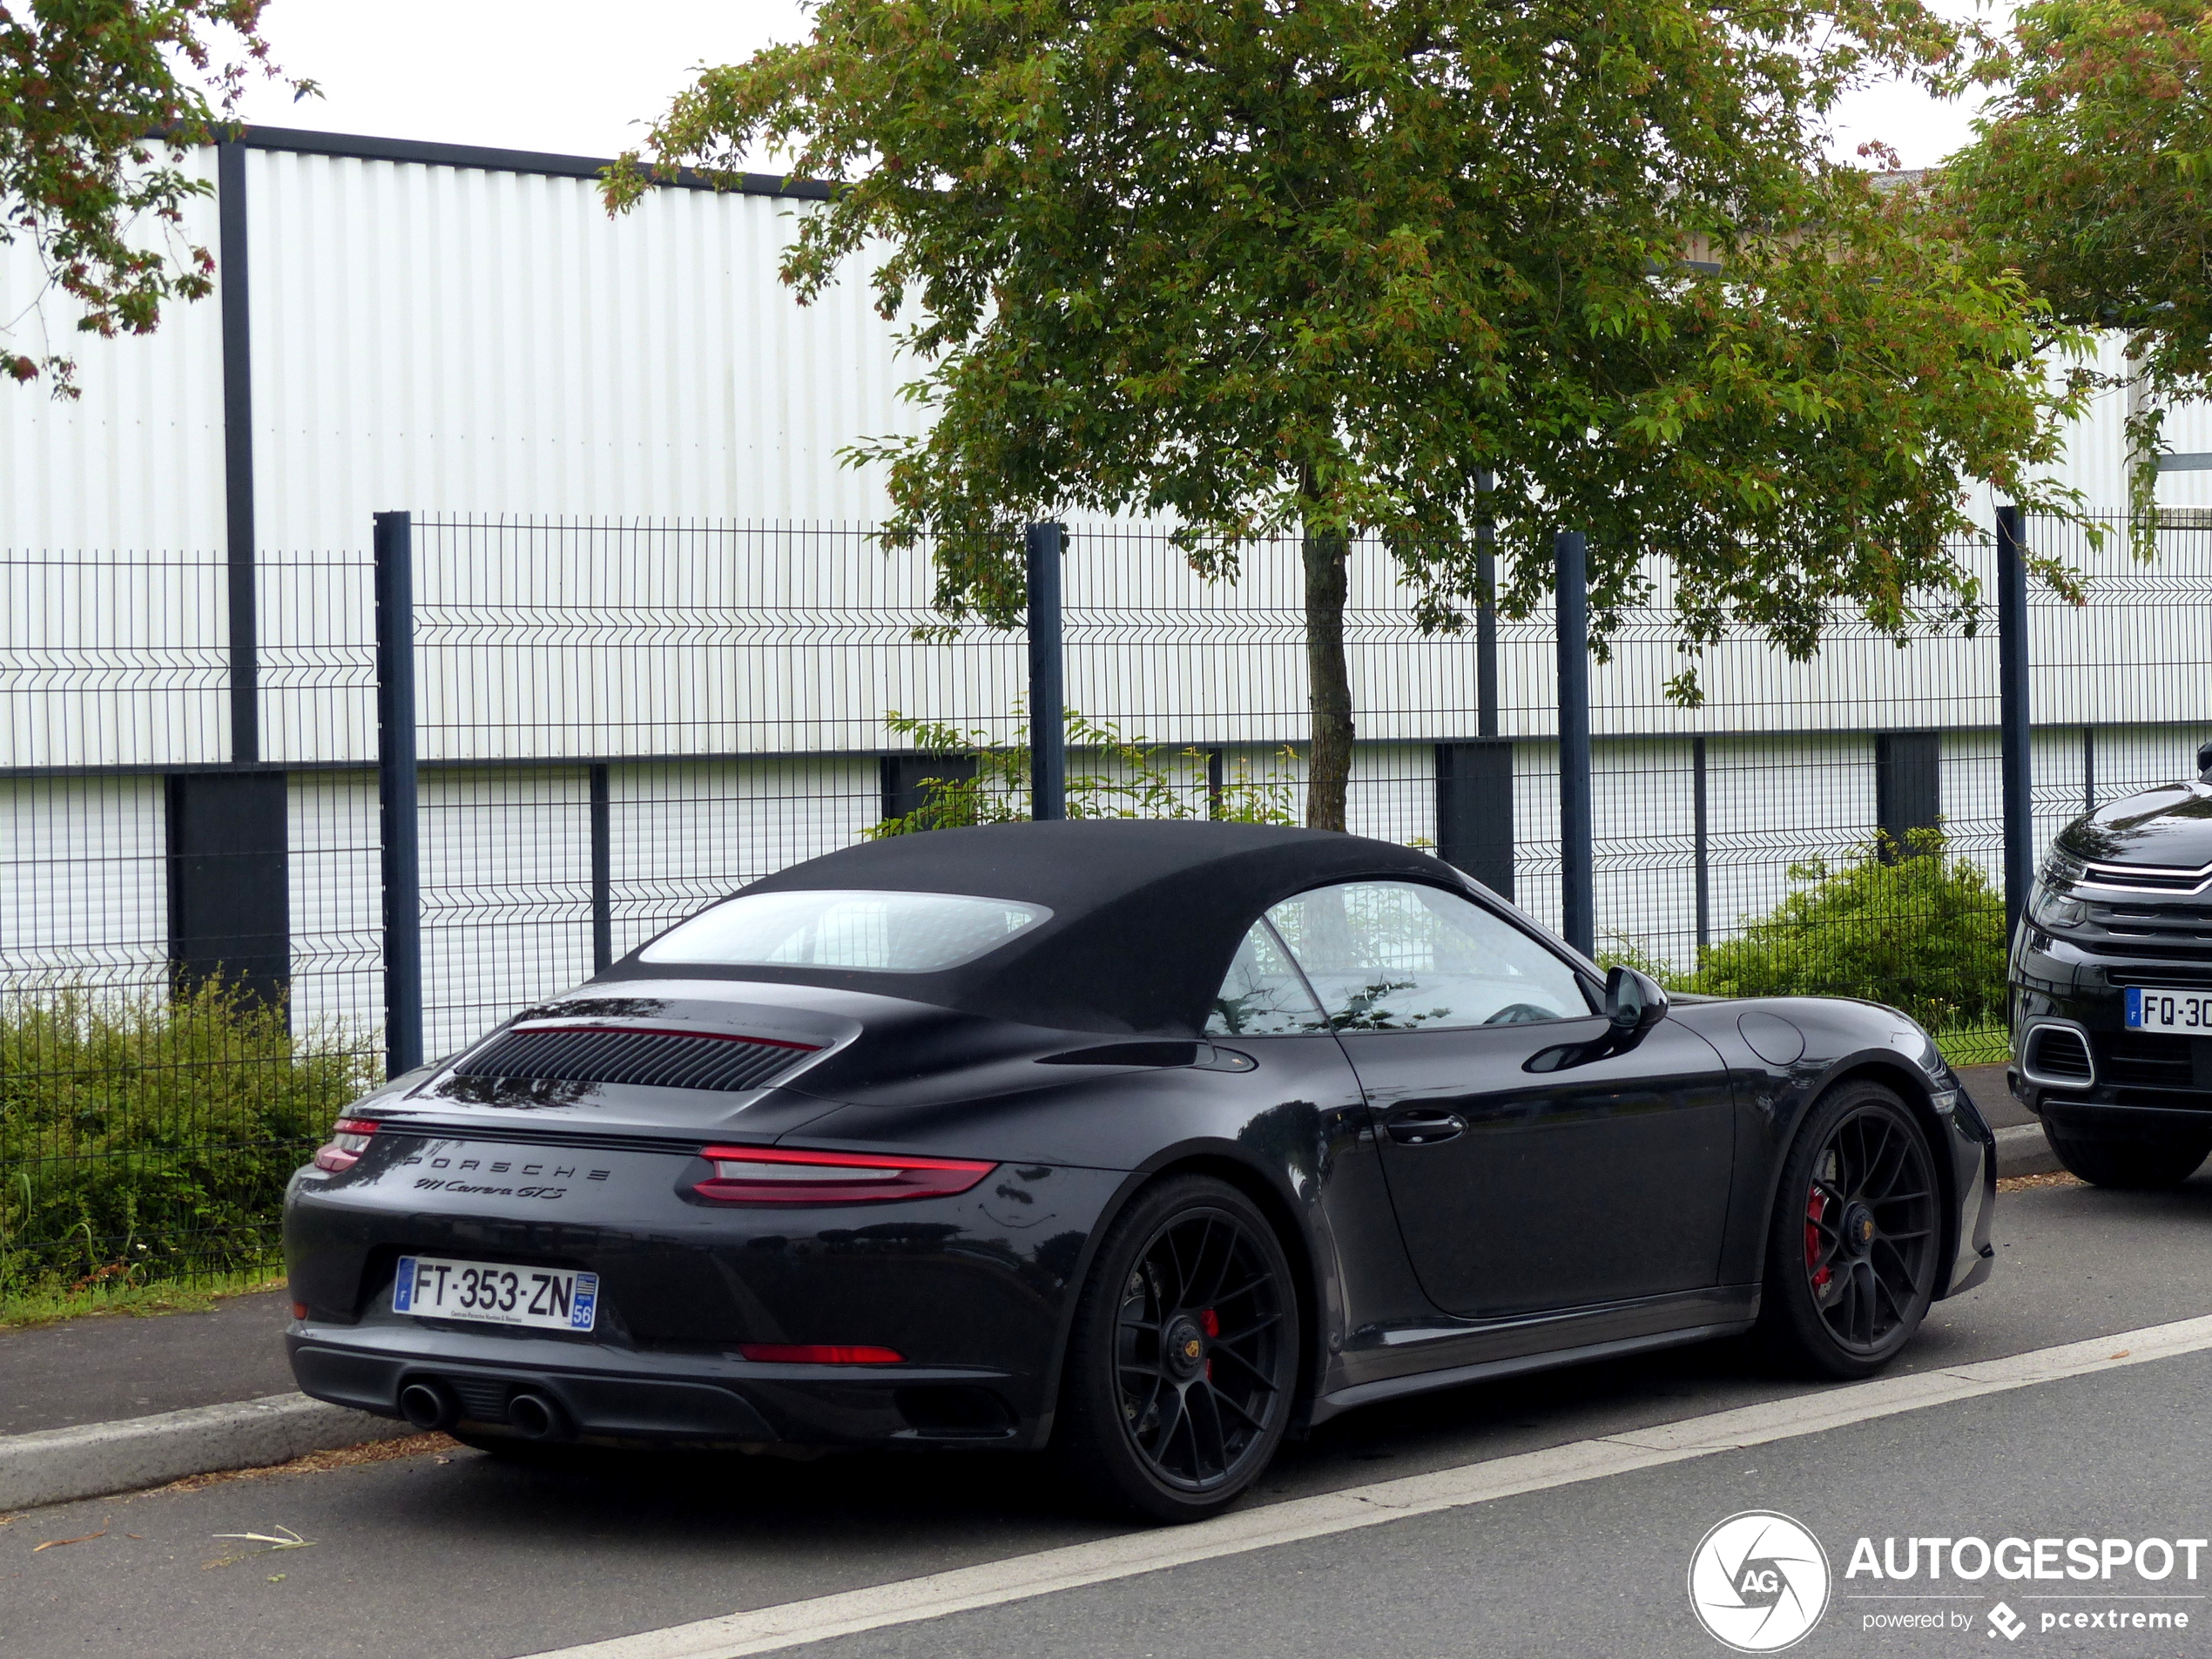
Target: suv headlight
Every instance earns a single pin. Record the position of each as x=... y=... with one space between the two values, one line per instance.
x=2051 y=903
x=2054 y=909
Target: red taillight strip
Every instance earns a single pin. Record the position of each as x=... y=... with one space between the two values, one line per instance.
x=788 y=1174
x=335 y=1157
x=672 y=1031
x=842 y=1160
x=821 y=1353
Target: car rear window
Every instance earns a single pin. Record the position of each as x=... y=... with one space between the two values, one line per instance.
x=881 y=933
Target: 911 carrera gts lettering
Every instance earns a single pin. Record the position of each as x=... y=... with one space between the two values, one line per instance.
x=431 y=1184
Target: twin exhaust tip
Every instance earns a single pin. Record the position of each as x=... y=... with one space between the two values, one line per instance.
x=531 y=1414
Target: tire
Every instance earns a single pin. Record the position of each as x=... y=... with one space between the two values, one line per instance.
x=1182 y=1360
x=1852 y=1250
x=2131 y=1164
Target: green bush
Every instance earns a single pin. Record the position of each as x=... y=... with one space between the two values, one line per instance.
x=148 y=1138
x=1922 y=932
x=1110 y=776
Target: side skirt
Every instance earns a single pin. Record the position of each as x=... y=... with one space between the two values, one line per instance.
x=1734 y=1321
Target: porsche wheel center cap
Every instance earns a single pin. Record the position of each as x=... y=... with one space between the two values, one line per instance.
x=1184 y=1346
x=1858 y=1227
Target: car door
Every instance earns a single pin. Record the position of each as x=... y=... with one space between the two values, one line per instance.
x=1534 y=1161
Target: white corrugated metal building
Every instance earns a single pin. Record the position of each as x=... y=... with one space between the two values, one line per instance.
x=467 y=333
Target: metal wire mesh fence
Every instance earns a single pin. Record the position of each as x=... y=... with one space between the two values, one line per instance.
x=187 y=988
x=617 y=722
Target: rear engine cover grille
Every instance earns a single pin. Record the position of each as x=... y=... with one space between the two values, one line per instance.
x=611 y=1054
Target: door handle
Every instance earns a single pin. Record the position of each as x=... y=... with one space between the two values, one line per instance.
x=1425 y=1128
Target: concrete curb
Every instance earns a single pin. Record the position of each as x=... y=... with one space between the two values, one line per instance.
x=96 y=1460
x=2023 y=1150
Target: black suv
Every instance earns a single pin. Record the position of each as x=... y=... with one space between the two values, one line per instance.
x=2111 y=988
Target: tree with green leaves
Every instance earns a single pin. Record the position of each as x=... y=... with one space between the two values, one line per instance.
x=2091 y=174
x=84 y=87
x=1323 y=269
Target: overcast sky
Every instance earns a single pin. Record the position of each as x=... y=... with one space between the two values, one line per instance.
x=580 y=77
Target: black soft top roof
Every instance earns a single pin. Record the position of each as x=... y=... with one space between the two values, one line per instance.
x=1146 y=914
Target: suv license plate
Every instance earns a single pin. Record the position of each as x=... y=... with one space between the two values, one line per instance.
x=549 y=1299
x=2190 y=1011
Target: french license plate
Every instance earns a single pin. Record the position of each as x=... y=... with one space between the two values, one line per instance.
x=2188 y=1011
x=549 y=1298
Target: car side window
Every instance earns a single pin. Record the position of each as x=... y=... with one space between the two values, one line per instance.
x=1403 y=956
x=1262 y=995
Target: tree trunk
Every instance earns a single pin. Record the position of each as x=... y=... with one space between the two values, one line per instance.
x=1330 y=698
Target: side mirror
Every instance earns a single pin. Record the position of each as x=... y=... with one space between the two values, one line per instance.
x=2204 y=763
x=1634 y=1002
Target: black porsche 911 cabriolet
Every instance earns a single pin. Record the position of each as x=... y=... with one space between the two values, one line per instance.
x=1152 y=1141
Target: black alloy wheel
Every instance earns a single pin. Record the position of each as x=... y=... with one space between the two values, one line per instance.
x=1184 y=1359
x=2141 y=1166
x=1851 y=1261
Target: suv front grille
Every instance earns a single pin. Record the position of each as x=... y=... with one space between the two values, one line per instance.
x=659 y=1059
x=2147 y=1060
x=2146 y=881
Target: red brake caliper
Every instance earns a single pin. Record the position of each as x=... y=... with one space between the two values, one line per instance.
x=1209 y=1322
x=1816 y=1208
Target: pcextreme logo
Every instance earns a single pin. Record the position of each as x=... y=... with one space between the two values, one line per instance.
x=1758 y=1582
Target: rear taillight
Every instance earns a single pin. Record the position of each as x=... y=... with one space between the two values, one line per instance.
x=821 y=1353
x=349 y=1140
x=776 y=1175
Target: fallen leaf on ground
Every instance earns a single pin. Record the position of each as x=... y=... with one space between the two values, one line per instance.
x=2123 y=1353
x=290 y=1540
x=316 y=1462
x=56 y=1544
x=2032 y=1183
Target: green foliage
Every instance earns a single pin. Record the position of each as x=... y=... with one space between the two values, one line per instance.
x=83 y=83
x=1336 y=269
x=150 y=1138
x=1924 y=933
x=1126 y=776
x=2091 y=174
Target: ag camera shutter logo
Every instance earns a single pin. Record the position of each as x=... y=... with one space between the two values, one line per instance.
x=1758 y=1582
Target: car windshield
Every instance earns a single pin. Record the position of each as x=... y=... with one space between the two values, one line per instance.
x=881 y=933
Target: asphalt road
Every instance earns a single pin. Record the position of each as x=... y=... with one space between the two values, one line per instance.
x=117 y=1365
x=461 y=1555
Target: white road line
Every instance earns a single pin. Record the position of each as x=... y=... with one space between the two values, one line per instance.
x=794 y=1624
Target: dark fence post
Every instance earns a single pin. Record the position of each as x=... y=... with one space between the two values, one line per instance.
x=237 y=452
x=1485 y=621
x=2012 y=686
x=1047 y=695
x=603 y=877
x=399 y=827
x=1578 y=882
x=1703 y=850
